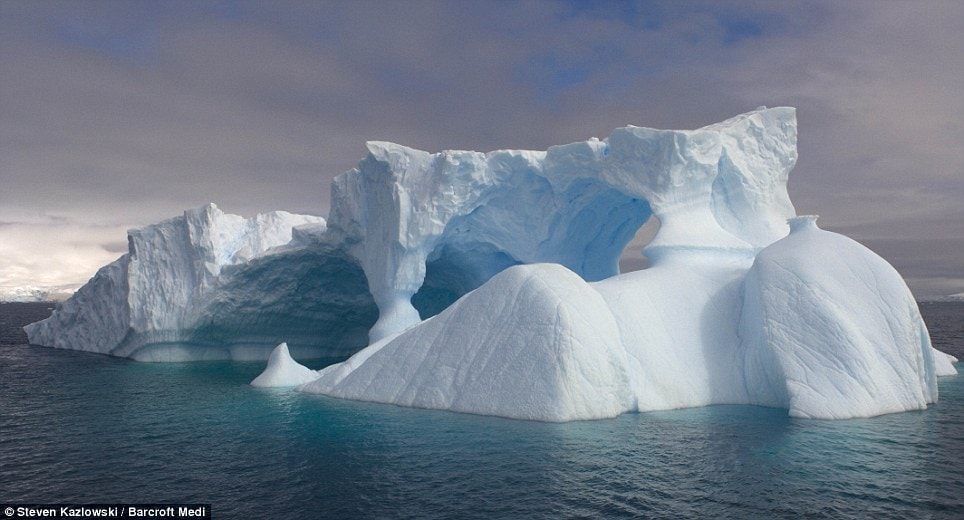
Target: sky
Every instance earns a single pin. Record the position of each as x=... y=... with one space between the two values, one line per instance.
x=118 y=114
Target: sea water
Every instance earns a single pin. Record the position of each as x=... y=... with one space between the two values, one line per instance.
x=86 y=428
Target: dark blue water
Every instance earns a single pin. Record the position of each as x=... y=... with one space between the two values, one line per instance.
x=78 y=427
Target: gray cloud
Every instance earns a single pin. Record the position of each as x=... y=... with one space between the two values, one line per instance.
x=117 y=248
x=118 y=114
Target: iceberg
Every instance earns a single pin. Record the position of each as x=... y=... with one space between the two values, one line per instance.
x=488 y=283
x=739 y=306
x=957 y=297
x=208 y=285
x=283 y=371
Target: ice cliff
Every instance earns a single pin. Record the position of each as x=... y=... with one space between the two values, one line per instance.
x=488 y=283
x=209 y=285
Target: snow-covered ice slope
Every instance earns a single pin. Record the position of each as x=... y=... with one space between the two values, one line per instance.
x=830 y=330
x=535 y=342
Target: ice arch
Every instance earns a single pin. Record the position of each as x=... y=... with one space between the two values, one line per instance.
x=434 y=226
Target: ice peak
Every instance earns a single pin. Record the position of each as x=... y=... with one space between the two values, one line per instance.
x=283 y=370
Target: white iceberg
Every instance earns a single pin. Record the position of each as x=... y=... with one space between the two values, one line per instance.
x=283 y=371
x=208 y=285
x=488 y=283
x=831 y=331
x=535 y=342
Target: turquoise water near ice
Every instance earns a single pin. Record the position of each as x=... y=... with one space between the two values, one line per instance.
x=77 y=427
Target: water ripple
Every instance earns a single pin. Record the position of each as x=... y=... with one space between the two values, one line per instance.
x=87 y=428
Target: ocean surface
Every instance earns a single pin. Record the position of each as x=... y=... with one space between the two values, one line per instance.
x=86 y=428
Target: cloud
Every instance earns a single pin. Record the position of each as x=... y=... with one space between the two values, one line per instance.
x=124 y=113
x=50 y=254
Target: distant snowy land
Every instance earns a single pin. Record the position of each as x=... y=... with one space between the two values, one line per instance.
x=37 y=294
x=959 y=297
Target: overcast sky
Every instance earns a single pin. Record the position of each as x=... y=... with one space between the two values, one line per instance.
x=117 y=114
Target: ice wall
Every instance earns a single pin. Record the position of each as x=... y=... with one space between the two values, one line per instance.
x=204 y=286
